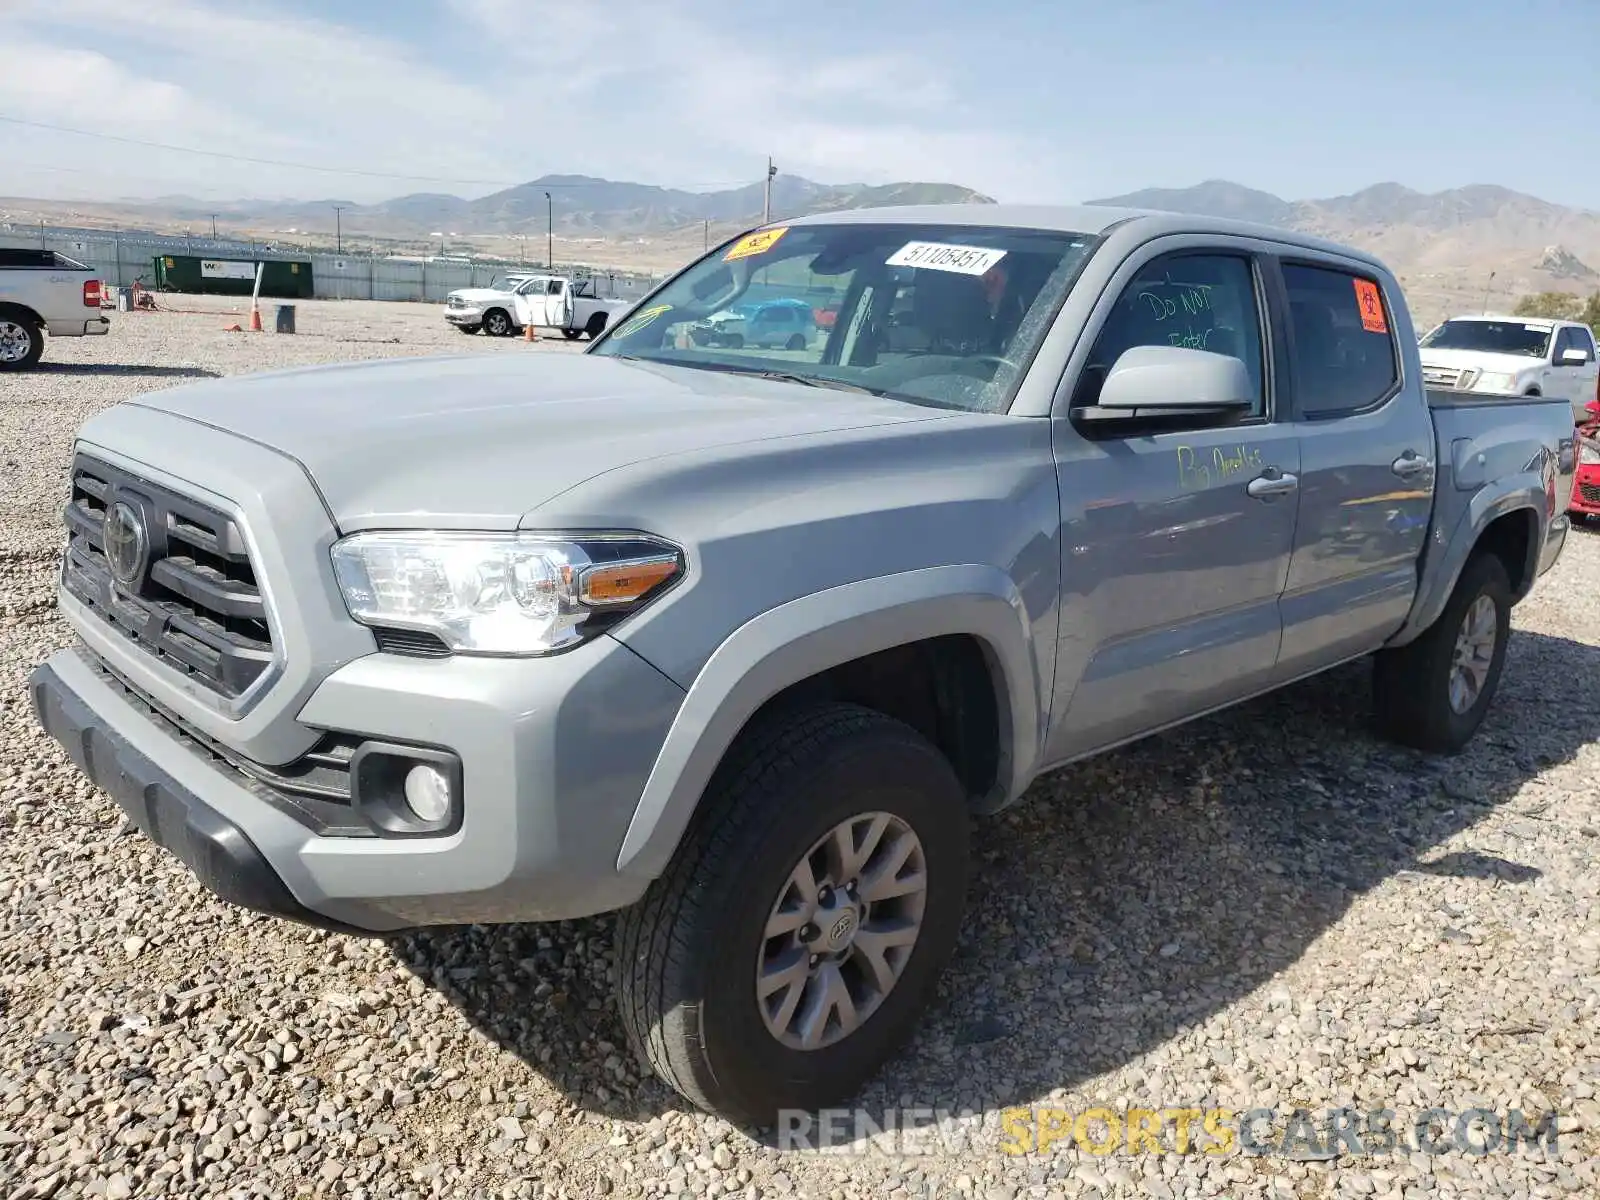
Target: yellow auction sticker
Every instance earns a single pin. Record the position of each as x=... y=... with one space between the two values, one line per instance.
x=755 y=243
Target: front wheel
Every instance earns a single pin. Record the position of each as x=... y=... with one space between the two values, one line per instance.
x=21 y=343
x=798 y=934
x=1434 y=692
x=496 y=323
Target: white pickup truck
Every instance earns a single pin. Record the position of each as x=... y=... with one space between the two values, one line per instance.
x=1517 y=356
x=573 y=306
x=44 y=292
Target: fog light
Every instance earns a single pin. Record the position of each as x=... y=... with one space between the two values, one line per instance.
x=428 y=793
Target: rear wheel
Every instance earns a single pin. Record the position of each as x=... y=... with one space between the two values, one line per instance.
x=796 y=342
x=21 y=341
x=1435 y=692
x=800 y=930
x=496 y=323
x=572 y=335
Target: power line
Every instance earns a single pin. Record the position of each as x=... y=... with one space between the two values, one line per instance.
x=304 y=166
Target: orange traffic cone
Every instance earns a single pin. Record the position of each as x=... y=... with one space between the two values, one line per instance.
x=255 y=319
x=528 y=334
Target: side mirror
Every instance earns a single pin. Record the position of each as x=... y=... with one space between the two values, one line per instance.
x=1171 y=381
x=1574 y=358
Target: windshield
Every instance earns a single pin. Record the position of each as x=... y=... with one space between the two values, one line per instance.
x=947 y=316
x=1491 y=337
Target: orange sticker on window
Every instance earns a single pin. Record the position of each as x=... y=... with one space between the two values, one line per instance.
x=1371 y=306
x=755 y=243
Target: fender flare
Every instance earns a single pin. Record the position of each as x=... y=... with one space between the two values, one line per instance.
x=809 y=635
x=1443 y=567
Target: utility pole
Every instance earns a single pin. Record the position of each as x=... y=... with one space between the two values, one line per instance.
x=338 y=229
x=549 y=233
x=213 y=227
x=41 y=235
x=708 y=233
x=766 y=204
x=1486 y=288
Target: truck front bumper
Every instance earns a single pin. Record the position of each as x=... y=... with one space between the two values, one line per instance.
x=540 y=830
x=464 y=316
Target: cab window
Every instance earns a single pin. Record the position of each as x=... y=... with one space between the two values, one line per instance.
x=1196 y=301
x=1345 y=358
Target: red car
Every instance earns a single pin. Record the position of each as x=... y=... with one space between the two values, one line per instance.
x=1586 y=486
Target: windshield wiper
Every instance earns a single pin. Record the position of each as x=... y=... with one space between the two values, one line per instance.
x=813 y=381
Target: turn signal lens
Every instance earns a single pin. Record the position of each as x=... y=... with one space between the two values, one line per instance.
x=625 y=582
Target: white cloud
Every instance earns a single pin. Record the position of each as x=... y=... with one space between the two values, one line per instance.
x=630 y=90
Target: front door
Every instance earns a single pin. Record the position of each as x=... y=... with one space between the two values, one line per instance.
x=1573 y=381
x=1175 y=541
x=531 y=303
x=558 y=298
x=1366 y=469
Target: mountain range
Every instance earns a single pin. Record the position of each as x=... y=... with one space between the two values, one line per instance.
x=579 y=206
x=1454 y=250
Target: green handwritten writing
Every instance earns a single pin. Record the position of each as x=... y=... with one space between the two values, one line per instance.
x=1197 y=472
x=1189 y=301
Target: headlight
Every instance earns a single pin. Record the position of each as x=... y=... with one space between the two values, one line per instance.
x=521 y=593
x=1489 y=381
x=1588 y=453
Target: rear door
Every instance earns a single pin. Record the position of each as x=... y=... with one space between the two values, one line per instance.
x=1174 y=553
x=1366 y=465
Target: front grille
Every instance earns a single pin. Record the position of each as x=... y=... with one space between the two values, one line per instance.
x=1590 y=492
x=315 y=789
x=1441 y=376
x=192 y=600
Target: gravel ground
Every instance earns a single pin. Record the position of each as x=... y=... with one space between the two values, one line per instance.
x=1267 y=909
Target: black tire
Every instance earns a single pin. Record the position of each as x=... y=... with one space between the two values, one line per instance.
x=572 y=335
x=1411 y=684
x=496 y=323
x=688 y=951
x=734 y=341
x=596 y=325
x=20 y=331
x=796 y=342
x=469 y=328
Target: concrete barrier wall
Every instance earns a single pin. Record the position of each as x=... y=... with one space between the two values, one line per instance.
x=122 y=259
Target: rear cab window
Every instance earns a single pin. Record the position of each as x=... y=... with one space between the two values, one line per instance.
x=1345 y=359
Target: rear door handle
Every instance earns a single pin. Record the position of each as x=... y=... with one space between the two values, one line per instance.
x=1410 y=463
x=1274 y=483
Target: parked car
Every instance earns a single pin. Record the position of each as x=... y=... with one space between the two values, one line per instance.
x=1585 y=502
x=574 y=306
x=769 y=324
x=43 y=293
x=738 y=645
x=1519 y=356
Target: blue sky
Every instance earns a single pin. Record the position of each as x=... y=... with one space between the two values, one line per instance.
x=1029 y=100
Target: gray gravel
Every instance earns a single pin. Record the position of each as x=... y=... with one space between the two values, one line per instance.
x=1267 y=909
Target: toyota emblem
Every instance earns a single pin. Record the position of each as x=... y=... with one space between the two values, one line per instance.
x=127 y=543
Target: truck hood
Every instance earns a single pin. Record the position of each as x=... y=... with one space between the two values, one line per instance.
x=1456 y=360
x=477 y=442
x=480 y=294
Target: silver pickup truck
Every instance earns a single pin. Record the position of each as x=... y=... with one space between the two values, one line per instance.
x=735 y=641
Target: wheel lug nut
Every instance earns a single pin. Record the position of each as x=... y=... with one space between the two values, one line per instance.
x=809 y=932
x=825 y=896
x=815 y=959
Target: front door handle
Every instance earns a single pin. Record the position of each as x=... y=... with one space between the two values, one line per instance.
x=1273 y=483
x=1410 y=463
